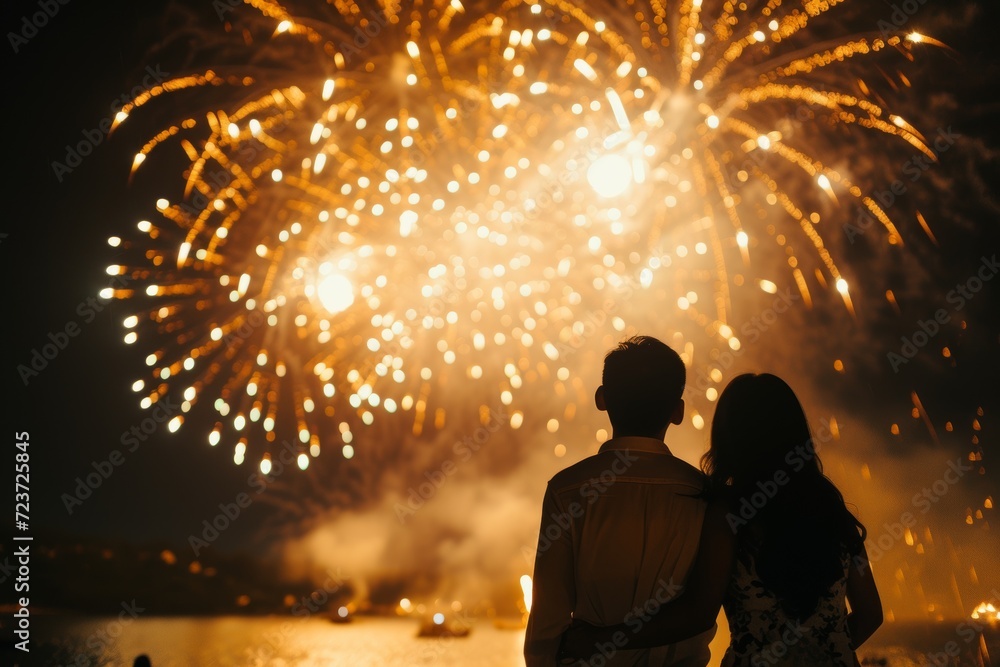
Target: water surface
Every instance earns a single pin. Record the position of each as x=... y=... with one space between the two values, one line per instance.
x=384 y=642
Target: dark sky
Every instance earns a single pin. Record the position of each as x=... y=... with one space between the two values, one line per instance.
x=61 y=85
x=77 y=409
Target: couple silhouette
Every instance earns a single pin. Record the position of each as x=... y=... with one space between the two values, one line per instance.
x=638 y=550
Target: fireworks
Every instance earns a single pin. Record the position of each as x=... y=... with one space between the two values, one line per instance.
x=407 y=202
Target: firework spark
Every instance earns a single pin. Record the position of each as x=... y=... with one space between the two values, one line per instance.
x=418 y=201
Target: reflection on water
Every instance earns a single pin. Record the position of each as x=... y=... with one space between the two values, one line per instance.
x=378 y=642
x=281 y=642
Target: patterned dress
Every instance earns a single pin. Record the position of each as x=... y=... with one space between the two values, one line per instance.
x=763 y=635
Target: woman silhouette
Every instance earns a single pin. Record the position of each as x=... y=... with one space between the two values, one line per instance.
x=779 y=549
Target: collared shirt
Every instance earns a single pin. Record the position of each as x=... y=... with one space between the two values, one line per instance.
x=618 y=536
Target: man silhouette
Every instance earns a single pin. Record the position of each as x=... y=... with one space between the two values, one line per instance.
x=620 y=529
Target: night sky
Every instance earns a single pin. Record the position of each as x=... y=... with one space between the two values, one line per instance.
x=79 y=409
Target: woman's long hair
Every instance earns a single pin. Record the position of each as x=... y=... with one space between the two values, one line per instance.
x=762 y=459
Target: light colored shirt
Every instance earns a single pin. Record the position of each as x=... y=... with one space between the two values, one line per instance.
x=618 y=536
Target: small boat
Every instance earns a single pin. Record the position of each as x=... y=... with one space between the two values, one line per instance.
x=342 y=615
x=439 y=625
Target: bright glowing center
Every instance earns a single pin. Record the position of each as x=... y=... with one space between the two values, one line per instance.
x=610 y=175
x=335 y=293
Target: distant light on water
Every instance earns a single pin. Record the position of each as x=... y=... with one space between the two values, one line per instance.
x=988 y=612
x=526 y=591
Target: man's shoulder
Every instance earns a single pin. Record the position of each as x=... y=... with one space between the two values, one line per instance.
x=579 y=470
x=683 y=467
x=679 y=469
x=635 y=465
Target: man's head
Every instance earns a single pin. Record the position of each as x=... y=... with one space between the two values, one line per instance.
x=641 y=387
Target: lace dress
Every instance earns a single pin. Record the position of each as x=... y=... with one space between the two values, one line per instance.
x=763 y=635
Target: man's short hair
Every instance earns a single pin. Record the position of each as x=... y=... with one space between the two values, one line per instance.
x=643 y=380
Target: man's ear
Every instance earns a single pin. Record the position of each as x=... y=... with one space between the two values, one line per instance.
x=599 y=399
x=678 y=414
